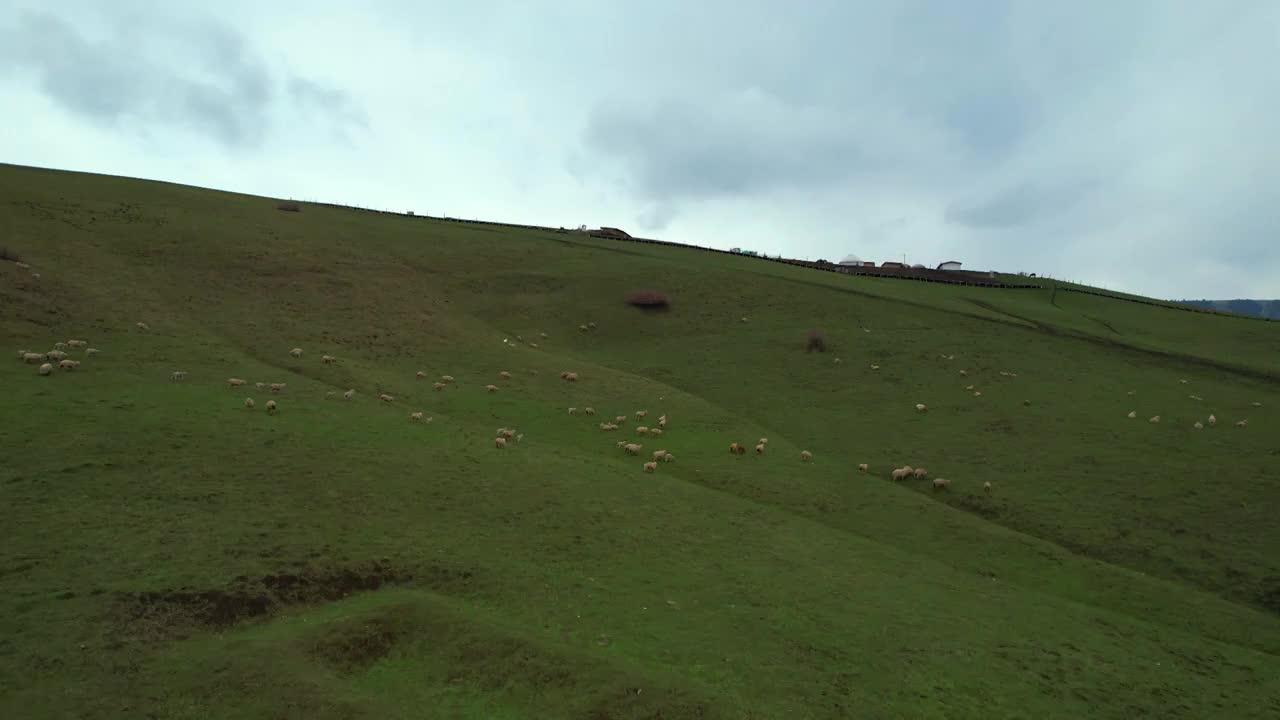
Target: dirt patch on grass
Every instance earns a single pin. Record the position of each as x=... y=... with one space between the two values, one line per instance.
x=357 y=646
x=169 y=613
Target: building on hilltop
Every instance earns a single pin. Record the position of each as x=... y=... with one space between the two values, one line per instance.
x=611 y=232
x=892 y=265
x=851 y=261
x=949 y=265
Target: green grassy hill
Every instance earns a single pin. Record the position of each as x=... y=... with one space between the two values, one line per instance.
x=168 y=553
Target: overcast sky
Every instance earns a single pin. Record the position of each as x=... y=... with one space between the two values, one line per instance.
x=1132 y=144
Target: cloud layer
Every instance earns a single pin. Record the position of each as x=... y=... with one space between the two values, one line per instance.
x=1122 y=144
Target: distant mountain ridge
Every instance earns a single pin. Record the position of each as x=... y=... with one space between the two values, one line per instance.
x=1257 y=308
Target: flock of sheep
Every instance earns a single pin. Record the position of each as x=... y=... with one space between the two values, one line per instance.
x=1211 y=421
x=59 y=355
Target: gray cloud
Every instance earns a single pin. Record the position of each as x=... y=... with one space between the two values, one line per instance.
x=1026 y=202
x=208 y=80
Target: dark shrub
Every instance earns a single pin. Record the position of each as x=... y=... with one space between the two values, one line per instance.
x=288 y=206
x=10 y=255
x=815 y=340
x=651 y=300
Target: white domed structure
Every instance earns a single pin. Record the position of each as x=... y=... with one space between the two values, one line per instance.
x=851 y=260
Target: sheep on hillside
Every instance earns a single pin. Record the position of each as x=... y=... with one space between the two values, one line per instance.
x=901 y=473
x=1132 y=414
x=760 y=448
x=438 y=386
x=499 y=443
x=589 y=410
x=90 y=352
x=234 y=382
x=735 y=449
x=504 y=375
x=446 y=378
x=608 y=426
x=941 y=483
x=328 y=359
x=31 y=357
x=1212 y=420
x=69 y=364
x=349 y=394
x=178 y=375
x=59 y=346
x=662 y=421
x=420 y=375
x=277 y=388
x=296 y=352
x=1242 y=423
x=657 y=454
x=248 y=403
x=640 y=414
x=875 y=367
x=583 y=328
x=573 y=411
x=76 y=344
x=921 y=407
x=571 y=376
x=650 y=466
x=862 y=468
x=56 y=355
x=143 y=326
x=620 y=419
x=1155 y=419
x=920 y=473
x=805 y=456
x=655 y=431
x=45 y=369
x=668 y=457
x=1199 y=425
x=632 y=448
x=641 y=430
x=416 y=417
x=506 y=433
x=272 y=407
x=977 y=393
x=385 y=397
x=986 y=487
x=491 y=388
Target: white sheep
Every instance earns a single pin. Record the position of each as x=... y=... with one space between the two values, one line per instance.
x=90 y=352
x=583 y=328
x=632 y=448
x=349 y=394
x=920 y=473
x=862 y=468
x=941 y=483
x=641 y=430
x=59 y=346
x=589 y=410
x=921 y=407
x=571 y=376
x=986 y=487
x=1242 y=423
x=76 y=344
x=1257 y=404
x=805 y=456
x=143 y=326
x=760 y=448
x=977 y=393
x=655 y=431
x=736 y=449
x=499 y=443
x=272 y=407
x=45 y=369
x=573 y=411
x=420 y=375
x=763 y=441
x=1155 y=419
x=504 y=375
x=446 y=378
x=328 y=359
x=1132 y=414
x=55 y=355
x=491 y=388
x=248 y=403
x=69 y=364
x=234 y=382
x=591 y=325
x=259 y=385
x=179 y=375
x=416 y=417
x=385 y=397
x=438 y=386
x=969 y=388
x=31 y=357
x=640 y=414
x=657 y=454
x=668 y=457
x=277 y=387
x=1199 y=425
x=650 y=466
x=901 y=473
x=506 y=433
x=964 y=372
x=875 y=367
x=1212 y=421
x=23 y=265
x=620 y=419
x=296 y=352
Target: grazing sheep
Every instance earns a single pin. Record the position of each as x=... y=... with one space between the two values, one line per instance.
x=1183 y=381
x=977 y=393
x=179 y=375
x=328 y=359
x=1154 y=419
x=583 y=328
x=272 y=407
x=941 y=483
x=591 y=325
x=296 y=352
x=920 y=473
x=1195 y=397
x=573 y=411
x=506 y=433
x=259 y=385
x=277 y=387
x=234 y=382
x=1257 y=404
x=1131 y=393
x=33 y=357
x=535 y=347
x=964 y=372
x=986 y=487
x=875 y=367
x=763 y=441
x=491 y=388
x=90 y=352
x=69 y=364
x=1133 y=414
x=499 y=443
x=968 y=387
x=331 y=393
x=620 y=419
x=35 y=275
x=55 y=355
x=668 y=457
x=901 y=474
x=805 y=456
x=650 y=466
x=1212 y=421
x=735 y=449
x=863 y=468
x=589 y=410
x=608 y=426
x=349 y=394
x=416 y=417
x=23 y=265
x=420 y=375
x=641 y=414
x=632 y=448
x=248 y=403
x=760 y=449
x=1199 y=425
x=385 y=397
x=641 y=430
x=59 y=346
x=921 y=407
x=446 y=378
x=837 y=361
x=1242 y=423
x=45 y=369
x=143 y=326
x=76 y=344
x=657 y=454
x=655 y=431
x=504 y=375
x=910 y=470
x=543 y=336
x=662 y=421
x=1027 y=403
x=438 y=386
x=571 y=377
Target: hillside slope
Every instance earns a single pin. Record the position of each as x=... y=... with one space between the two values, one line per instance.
x=169 y=553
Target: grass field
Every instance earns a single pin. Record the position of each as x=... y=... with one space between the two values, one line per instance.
x=168 y=553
